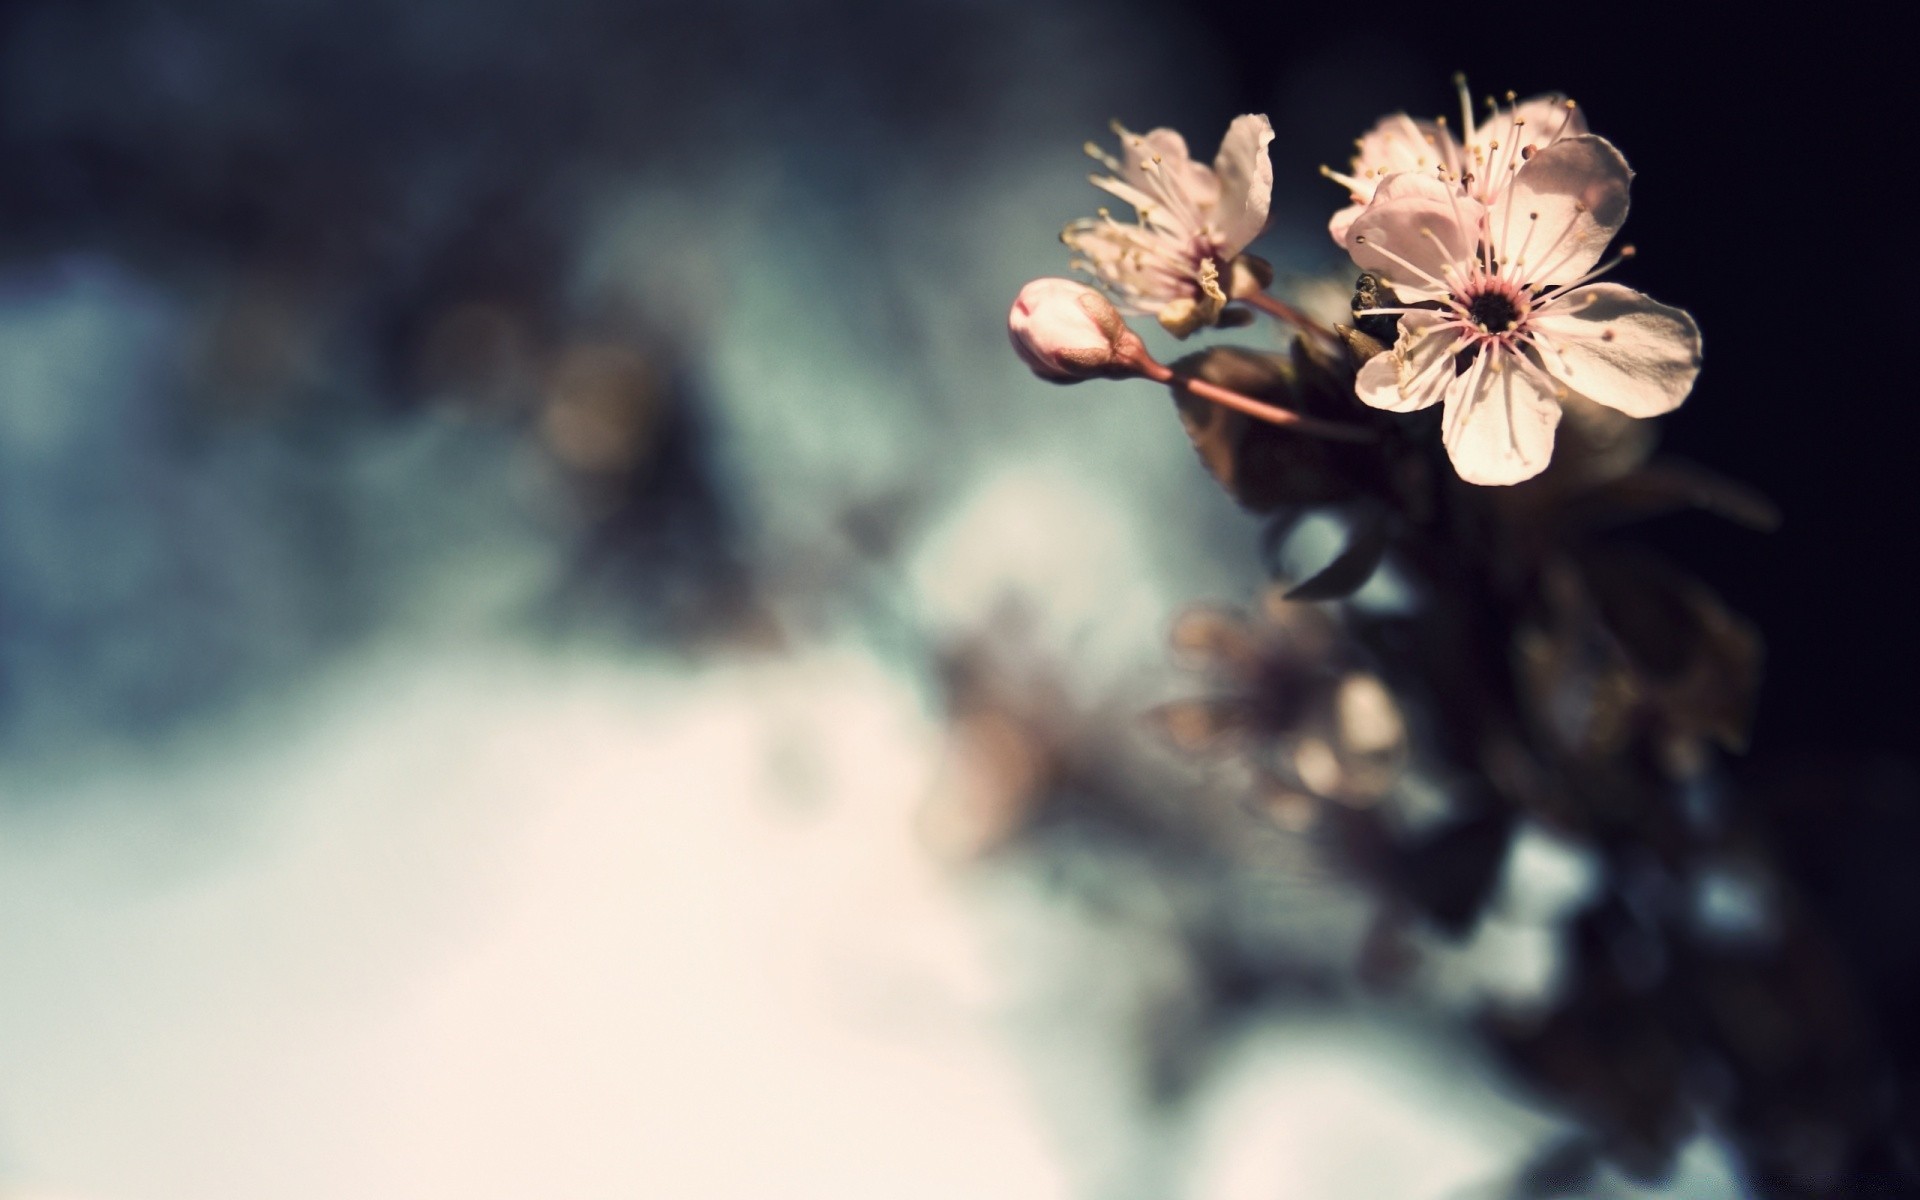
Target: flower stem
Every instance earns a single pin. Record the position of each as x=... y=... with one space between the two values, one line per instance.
x=1273 y=306
x=1272 y=414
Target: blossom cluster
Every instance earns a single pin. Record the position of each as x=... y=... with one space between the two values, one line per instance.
x=1482 y=247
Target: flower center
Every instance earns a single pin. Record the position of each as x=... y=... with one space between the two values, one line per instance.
x=1494 y=311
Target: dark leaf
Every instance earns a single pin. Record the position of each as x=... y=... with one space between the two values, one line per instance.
x=1354 y=565
x=1450 y=875
x=1564 y=1168
x=1669 y=486
x=1274 y=535
x=1701 y=662
x=1642 y=601
x=1261 y=466
x=1323 y=380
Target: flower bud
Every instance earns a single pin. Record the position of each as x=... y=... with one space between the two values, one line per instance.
x=1067 y=331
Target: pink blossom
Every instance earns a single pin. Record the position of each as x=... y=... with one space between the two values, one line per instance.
x=1493 y=151
x=1066 y=331
x=1503 y=322
x=1176 y=261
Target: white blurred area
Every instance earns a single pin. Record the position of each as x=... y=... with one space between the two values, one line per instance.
x=491 y=923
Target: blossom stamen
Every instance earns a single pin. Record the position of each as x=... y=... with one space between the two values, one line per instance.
x=1466 y=103
x=1100 y=156
x=1423 y=275
x=1626 y=252
x=1344 y=180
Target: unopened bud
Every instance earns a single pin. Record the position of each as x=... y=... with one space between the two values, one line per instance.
x=1066 y=331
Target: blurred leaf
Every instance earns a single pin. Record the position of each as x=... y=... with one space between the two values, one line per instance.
x=1564 y=1168
x=1668 y=487
x=1720 y=691
x=1702 y=663
x=1273 y=536
x=1450 y=874
x=1641 y=601
x=1324 y=378
x=1354 y=565
x=1261 y=466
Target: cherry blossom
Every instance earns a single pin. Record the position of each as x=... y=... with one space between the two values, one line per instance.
x=1493 y=151
x=1066 y=331
x=1501 y=320
x=1180 y=259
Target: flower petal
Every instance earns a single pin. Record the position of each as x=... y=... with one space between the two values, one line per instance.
x=1400 y=143
x=1340 y=225
x=1619 y=348
x=1150 y=210
x=1178 y=192
x=1064 y=330
x=1537 y=121
x=1562 y=208
x=1245 y=182
x=1414 y=232
x=1378 y=383
x=1416 y=372
x=1138 y=264
x=1138 y=149
x=1499 y=423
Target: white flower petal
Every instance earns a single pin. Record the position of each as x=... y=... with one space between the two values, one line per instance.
x=1341 y=223
x=1245 y=182
x=1543 y=120
x=1151 y=211
x=1378 y=383
x=1562 y=208
x=1619 y=348
x=1157 y=164
x=1414 y=231
x=1141 y=266
x=1138 y=149
x=1416 y=372
x=1499 y=424
x=1394 y=145
x=1400 y=143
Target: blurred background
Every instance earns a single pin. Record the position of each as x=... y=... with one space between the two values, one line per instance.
x=548 y=648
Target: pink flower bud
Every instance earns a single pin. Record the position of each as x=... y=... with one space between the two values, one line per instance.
x=1067 y=331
